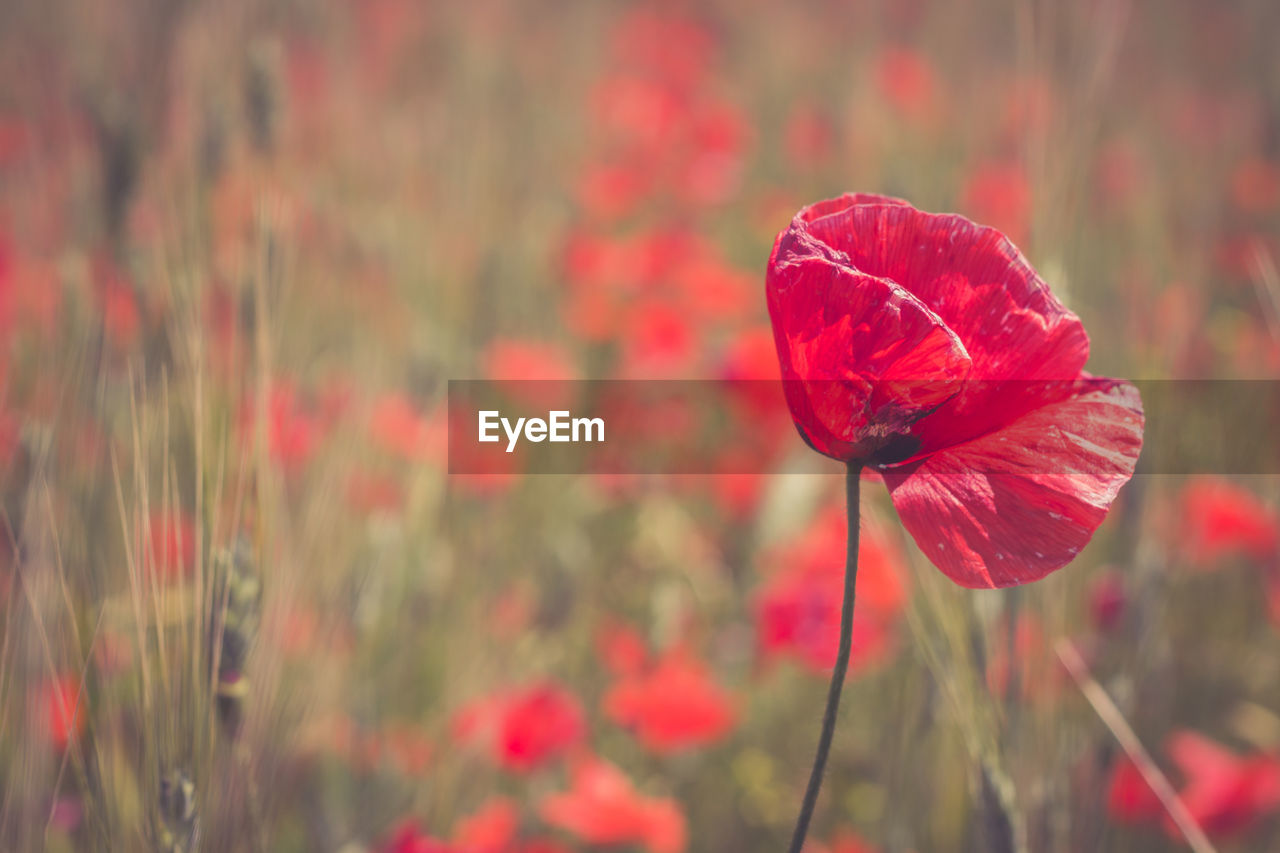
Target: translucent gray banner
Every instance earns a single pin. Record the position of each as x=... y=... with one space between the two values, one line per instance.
x=735 y=426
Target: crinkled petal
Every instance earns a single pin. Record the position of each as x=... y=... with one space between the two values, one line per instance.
x=1012 y=327
x=862 y=359
x=1020 y=502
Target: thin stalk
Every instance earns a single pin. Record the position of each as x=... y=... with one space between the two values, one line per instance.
x=852 y=480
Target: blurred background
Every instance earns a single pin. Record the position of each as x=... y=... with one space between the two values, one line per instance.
x=243 y=248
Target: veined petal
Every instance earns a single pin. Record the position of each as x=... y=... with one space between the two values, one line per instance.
x=972 y=277
x=862 y=359
x=1015 y=504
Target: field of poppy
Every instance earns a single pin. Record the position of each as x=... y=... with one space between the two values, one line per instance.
x=260 y=590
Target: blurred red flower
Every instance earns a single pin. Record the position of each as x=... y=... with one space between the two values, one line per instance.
x=762 y=428
x=710 y=168
x=656 y=292
x=293 y=429
x=673 y=706
x=60 y=704
x=907 y=81
x=397 y=426
x=30 y=294
x=1107 y=600
x=664 y=44
x=808 y=137
x=798 y=607
x=998 y=193
x=621 y=649
x=604 y=808
x=407 y=837
x=638 y=109
x=6 y=283
x=1220 y=520
x=1237 y=251
x=658 y=342
x=483 y=470
x=924 y=345
x=494 y=828
x=515 y=363
x=1255 y=186
x=751 y=355
x=1120 y=175
x=1129 y=797
x=609 y=191
x=385 y=29
x=10 y=433
x=526 y=728
x=490 y=829
x=1225 y=793
x=169 y=549
x=843 y=841
x=16 y=137
x=372 y=493
x=712 y=289
x=118 y=303
x=1029 y=664
x=406 y=748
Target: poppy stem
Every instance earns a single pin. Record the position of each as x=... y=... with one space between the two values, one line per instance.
x=852 y=481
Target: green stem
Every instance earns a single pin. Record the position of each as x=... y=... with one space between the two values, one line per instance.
x=853 y=478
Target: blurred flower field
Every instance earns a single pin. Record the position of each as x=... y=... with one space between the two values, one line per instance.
x=244 y=246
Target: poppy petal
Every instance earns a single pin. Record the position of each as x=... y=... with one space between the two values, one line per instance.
x=1020 y=502
x=862 y=359
x=982 y=288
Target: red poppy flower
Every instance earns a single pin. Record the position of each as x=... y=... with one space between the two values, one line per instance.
x=925 y=346
x=170 y=550
x=494 y=828
x=10 y=433
x=531 y=372
x=30 y=296
x=798 y=608
x=1222 y=520
x=526 y=728
x=15 y=139
x=907 y=81
x=998 y=193
x=640 y=110
x=294 y=429
x=6 y=282
x=121 y=314
x=673 y=48
x=371 y=493
x=609 y=191
x=621 y=649
x=1255 y=186
x=408 y=838
x=1224 y=792
x=809 y=136
x=490 y=829
x=62 y=706
x=843 y=841
x=604 y=808
x=1129 y=797
x=658 y=341
x=1030 y=666
x=1107 y=600
x=674 y=706
x=396 y=425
